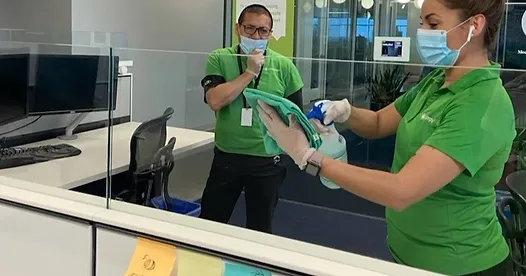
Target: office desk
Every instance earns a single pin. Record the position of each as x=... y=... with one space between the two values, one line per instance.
x=91 y=165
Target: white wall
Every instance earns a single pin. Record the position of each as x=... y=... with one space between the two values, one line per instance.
x=46 y=21
x=49 y=20
x=155 y=30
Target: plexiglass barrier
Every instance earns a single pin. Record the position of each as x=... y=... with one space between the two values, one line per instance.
x=53 y=92
x=307 y=210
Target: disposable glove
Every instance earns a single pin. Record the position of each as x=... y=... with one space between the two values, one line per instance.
x=337 y=111
x=255 y=62
x=321 y=128
x=291 y=139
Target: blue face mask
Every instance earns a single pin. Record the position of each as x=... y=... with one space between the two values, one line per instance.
x=248 y=45
x=433 y=49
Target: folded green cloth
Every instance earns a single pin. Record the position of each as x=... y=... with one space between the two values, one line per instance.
x=284 y=107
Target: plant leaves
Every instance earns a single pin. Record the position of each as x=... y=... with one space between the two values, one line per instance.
x=384 y=88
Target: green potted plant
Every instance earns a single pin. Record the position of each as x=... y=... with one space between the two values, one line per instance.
x=519 y=147
x=384 y=87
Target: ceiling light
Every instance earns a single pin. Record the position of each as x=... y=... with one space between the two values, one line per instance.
x=419 y=3
x=338 y=1
x=367 y=4
x=321 y=3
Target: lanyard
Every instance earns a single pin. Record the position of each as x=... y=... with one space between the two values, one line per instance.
x=256 y=83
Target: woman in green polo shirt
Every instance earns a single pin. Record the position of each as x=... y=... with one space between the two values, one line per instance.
x=454 y=132
x=240 y=160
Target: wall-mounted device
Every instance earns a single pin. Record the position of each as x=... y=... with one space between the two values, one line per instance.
x=388 y=48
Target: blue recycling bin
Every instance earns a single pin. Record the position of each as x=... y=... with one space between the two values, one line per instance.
x=178 y=206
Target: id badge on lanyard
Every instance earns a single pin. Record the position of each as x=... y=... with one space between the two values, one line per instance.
x=246 y=111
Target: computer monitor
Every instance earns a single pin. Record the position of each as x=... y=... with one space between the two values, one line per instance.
x=14 y=82
x=72 y=84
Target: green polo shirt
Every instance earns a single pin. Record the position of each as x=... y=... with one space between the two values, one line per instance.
x=280 y=77
x=455 y=230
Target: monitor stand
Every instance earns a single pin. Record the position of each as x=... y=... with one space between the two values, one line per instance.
x=72 y=126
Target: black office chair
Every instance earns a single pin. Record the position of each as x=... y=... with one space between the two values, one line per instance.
x=514 y=231
x=145 y=143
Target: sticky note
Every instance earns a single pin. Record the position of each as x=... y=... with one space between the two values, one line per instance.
x=234 y=269
x=152 y=258
x=190 y=263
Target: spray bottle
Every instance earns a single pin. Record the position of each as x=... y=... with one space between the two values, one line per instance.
x=333 y=144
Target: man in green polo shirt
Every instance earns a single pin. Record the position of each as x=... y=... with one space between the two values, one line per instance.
x=240 y=160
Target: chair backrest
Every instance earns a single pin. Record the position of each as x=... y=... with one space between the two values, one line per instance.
x=147 y=139
x=163 y=164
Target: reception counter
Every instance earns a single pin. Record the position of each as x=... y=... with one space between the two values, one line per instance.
x=52 y=231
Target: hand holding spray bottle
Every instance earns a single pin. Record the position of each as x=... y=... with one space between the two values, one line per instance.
x=333 y=144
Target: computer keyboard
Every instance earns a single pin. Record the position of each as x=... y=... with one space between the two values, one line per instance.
x=14 y=157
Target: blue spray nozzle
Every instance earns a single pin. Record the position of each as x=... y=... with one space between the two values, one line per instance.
x=318 y=113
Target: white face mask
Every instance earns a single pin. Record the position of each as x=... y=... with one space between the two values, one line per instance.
x=433 y=49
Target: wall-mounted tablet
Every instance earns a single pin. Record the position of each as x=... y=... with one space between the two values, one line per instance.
x=388 y=48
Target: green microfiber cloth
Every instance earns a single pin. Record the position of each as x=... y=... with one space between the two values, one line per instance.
x=284 y=107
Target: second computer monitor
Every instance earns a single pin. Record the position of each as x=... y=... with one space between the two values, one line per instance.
x=73 y=83
x=14 y=82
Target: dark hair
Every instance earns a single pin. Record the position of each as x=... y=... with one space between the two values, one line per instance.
x=257 y=9
x=493 y=10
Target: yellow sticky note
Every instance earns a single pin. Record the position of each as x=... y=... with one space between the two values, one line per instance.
x=190 y=263
x=152 y=258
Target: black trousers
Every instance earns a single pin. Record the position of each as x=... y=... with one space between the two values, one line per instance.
x=505 y=268
x=230 y=174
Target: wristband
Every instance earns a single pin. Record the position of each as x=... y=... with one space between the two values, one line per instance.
x=252 y=72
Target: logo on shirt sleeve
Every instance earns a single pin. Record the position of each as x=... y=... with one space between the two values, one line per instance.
x=430 y=120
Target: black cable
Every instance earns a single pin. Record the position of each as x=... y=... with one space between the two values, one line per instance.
x=21 y=127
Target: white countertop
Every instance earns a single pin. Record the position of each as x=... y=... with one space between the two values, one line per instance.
x=91 y=164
